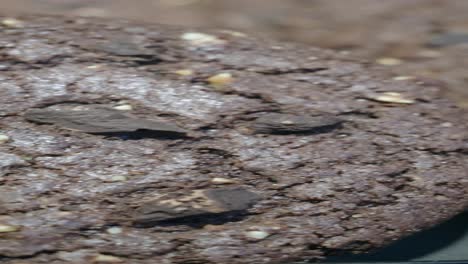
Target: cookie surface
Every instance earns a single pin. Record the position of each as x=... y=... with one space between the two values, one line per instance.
x=149 y=144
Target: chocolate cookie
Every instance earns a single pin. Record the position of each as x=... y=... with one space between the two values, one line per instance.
x=149 y=144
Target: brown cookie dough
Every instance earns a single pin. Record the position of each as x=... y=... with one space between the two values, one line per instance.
x=169 y=145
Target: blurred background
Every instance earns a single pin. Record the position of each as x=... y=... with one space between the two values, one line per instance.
x=412 y=38
x=426 y=38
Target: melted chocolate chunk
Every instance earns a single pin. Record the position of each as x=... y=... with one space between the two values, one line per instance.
x=276 y=123
x=123 y=48
x=99 y=121
x=198 y=205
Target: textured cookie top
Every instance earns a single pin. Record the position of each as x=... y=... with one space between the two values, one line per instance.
x=149 y=144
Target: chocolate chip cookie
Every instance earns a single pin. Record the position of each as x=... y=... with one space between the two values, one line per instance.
x=130 y=143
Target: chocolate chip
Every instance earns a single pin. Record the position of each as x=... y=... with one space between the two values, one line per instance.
x=232 y=198
x=202 y=204
x=123 y=48
x=99 y=121
x=133 y=51
x=276 y=123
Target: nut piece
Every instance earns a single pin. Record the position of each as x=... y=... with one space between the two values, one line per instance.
x=114 y=230
x=184 y=72
x=12 y=22
x=403 y=78
x=94 y=66
x=389 y=61
x=222 y=181
x=258 y=235
x=220 y=79
x=392 y=97
x=8 y=228
x=200 y=39
x=4 y=138
x=107 y=259
x=125 y=107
